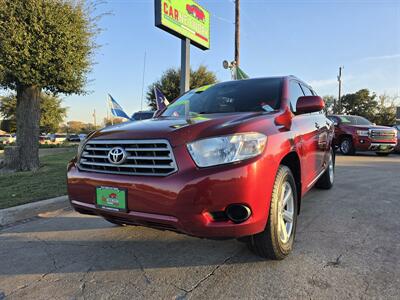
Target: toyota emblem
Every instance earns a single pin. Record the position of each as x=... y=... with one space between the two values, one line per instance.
x=117 y=155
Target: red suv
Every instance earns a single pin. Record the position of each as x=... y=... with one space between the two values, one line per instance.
x=230 y=160
x=355 y=133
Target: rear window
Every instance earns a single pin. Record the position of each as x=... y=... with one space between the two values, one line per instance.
x=251 y=95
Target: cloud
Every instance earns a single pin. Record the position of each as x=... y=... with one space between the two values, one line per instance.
x=382 y=57
x=322 y=83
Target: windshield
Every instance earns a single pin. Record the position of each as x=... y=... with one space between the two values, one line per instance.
x=354 y=120
x=233 y=96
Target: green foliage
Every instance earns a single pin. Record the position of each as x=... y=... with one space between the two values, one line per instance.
x=386 y=114
x=329 y=104
x=361 y=103
x=170 y=81
x=51 y=112
x=380 y=110
x=47 y=44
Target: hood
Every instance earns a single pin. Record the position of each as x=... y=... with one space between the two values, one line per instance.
x=179 y=131
x=366 y=127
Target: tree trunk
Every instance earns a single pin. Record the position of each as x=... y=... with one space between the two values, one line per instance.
x=28 y=118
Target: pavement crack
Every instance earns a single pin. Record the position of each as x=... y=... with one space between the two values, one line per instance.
x=334 y=263
x=205 y=278
x=142 y=269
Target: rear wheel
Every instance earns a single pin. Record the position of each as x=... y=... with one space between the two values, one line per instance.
x=276 y=241
x=346 y=146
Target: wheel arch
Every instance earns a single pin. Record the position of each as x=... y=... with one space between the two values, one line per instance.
x=292 y=161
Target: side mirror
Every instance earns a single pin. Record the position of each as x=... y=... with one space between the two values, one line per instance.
x=309 y=104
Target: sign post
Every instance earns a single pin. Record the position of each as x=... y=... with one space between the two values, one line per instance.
x=188 y=21
x=185 y=65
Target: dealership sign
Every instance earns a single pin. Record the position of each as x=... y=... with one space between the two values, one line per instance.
x=184 y=19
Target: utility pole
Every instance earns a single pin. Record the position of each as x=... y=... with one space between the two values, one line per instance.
x=339 y=78
x=237 y=32
x=94 y=118
x=144 y=70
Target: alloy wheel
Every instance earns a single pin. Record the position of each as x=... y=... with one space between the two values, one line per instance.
x=285 y=213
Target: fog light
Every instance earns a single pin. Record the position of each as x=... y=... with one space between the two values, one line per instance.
x=238 y=213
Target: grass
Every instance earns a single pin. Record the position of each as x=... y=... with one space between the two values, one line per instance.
x=47 y=182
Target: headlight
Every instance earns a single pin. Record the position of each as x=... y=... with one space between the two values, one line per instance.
x=227 y=149
x=362 y=132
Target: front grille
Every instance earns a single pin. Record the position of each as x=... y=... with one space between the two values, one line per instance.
x=143 y=157
x=382 y=134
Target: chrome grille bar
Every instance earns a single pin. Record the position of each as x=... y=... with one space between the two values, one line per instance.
x=143 y=157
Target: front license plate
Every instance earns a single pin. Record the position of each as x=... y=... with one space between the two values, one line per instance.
x=111 y=198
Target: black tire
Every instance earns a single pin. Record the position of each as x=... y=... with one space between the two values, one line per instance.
x=382 y=153
x=268 y=244
x=115 y=222
x=346 y=146
x=326 y=180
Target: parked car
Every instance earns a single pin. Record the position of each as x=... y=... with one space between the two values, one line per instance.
x=397 y=148
x=45 y=139
x=230 y=160
x=58 y=138
x=355 y=133
x=73 y=138
x=82 y=136
x=142 y=115
x=6 y=139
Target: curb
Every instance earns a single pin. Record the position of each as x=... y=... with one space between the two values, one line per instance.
x=30 y=210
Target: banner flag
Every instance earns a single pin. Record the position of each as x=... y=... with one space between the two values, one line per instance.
x=116 y=109
x=161 y=100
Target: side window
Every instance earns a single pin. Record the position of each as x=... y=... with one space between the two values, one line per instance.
x=295 y=92
x=306 y=90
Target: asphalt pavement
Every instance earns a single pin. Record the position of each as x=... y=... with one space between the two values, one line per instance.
x=347 y=247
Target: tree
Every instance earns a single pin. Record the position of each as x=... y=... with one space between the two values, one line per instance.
x=170 y=80
x=44 y=46
x=386 y=114
x=51 y=112
x=112 y=121
x=329 y=104
x=361 y=103
x=75 y=127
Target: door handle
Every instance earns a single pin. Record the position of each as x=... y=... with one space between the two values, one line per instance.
x=317 y=125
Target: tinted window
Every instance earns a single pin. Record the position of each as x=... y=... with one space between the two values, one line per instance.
x=233 y=96
x=295 y=92
x=142 y=116
x=354 y=120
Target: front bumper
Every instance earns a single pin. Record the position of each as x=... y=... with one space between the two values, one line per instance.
x=186 y=200
x=367 y=144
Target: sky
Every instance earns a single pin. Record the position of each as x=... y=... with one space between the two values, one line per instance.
x=306 y=38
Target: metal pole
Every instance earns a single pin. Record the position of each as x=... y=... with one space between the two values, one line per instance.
x=144 y=70
x=237 y=32
x=185 y=65
x=340 y=90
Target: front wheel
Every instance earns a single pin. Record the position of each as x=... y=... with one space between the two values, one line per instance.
x=346 y=146
x=276 y=241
